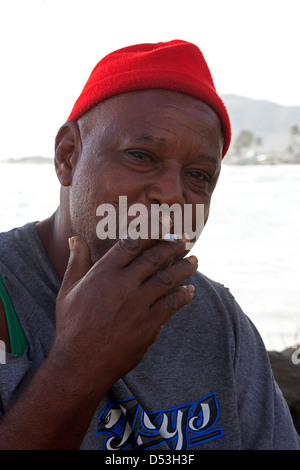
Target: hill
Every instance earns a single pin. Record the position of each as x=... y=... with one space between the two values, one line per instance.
x=269 y=122
x=268 y=125
x=35 y=159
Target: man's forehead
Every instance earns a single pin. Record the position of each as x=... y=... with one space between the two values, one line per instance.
x=144 y=104
x=143 y=117
x=155 y=97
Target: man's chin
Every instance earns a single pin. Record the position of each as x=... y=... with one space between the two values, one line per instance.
x=101 y=249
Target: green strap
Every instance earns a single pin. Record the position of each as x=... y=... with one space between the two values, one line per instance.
x=18 y=341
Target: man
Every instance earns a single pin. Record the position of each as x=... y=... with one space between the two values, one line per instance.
x=125 y=344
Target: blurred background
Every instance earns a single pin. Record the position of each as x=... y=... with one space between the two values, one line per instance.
x=251 y=242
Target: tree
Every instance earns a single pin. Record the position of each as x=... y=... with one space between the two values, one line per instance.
x=294 y=130
x=245 y=139
x=294 y=147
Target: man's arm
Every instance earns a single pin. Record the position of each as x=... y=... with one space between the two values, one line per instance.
x=120 y=304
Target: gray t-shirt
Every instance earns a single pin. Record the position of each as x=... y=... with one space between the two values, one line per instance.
x=205 y=384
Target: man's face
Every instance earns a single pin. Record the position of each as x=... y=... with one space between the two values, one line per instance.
x=154 y=147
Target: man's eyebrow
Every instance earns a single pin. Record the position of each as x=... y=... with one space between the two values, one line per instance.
x=210 y=159
x=150 y=139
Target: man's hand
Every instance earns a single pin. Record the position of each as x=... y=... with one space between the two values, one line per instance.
x=110 y=313
x=107 y=316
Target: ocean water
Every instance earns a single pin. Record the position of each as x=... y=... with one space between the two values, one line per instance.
x=251 y=242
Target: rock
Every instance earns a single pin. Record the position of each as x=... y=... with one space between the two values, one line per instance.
x=286 y=369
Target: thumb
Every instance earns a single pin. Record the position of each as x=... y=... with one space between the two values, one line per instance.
x=79 y=262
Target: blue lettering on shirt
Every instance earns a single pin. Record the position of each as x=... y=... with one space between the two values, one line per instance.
x=127 y=426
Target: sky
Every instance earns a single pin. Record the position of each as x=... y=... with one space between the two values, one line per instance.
x=49 y=48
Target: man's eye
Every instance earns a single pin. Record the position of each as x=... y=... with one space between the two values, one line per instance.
x=199 y=176
x=140 y=156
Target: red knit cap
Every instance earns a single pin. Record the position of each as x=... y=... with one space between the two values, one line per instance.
x=175 y=65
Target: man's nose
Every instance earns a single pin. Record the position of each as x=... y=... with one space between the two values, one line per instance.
x=167 y=188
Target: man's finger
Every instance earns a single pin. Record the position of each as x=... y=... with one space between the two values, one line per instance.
x=79 y=262
x=155 y=258
x=127 y=249
x=164 y=280
x=168 y=305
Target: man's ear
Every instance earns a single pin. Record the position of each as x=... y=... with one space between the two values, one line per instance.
x=67 y=151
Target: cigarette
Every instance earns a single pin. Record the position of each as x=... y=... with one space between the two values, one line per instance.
x=172 y=237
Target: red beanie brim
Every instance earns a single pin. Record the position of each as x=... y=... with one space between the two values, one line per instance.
x=175 y=65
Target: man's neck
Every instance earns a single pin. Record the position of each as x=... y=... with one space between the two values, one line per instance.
x=54 y=234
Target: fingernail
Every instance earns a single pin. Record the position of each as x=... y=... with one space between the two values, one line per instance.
x=190 y=288
x=193 y=260
x=71 y=243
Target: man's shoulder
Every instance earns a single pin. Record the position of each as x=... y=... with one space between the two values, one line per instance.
x=213 y=298
x=17 y=236
x=8 y=245
x=200 y=280
x=18 y=246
